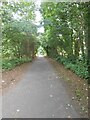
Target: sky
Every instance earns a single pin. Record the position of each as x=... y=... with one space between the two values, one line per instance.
x=39 y=17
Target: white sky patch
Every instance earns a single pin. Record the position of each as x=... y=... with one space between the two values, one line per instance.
x=38 y=2
x=41 y=30
x=38 y=17
x=16 y=16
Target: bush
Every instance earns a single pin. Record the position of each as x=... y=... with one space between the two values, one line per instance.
x=80 y=68
x=10 y=64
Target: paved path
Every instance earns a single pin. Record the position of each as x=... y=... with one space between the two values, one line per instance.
x=40 y=94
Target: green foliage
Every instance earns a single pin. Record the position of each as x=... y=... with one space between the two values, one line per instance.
x=18 y=33
x=65 y=34
x=10 y=64
x=79 y=67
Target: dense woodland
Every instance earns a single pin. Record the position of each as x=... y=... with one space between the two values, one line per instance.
x=66 y=34
x=65 y=38
x=18 y=33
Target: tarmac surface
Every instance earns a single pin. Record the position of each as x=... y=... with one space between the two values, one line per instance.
x=40 y=94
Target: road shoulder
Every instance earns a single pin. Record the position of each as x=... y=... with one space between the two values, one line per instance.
x=76 y=87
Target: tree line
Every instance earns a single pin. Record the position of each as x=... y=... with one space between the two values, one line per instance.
x=66 y=34
x=65 y=38
x=18 y=33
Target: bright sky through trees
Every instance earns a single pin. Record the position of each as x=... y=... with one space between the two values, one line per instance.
x=38 y=16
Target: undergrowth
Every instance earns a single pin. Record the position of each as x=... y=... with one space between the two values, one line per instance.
x=77 y=67
x=10 y=64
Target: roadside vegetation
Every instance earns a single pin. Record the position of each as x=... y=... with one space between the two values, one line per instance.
x=18 y=33
x=65 y=39
x=66 y=34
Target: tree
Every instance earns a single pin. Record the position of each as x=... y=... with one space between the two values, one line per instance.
x=66 y=32
x=18 y=31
